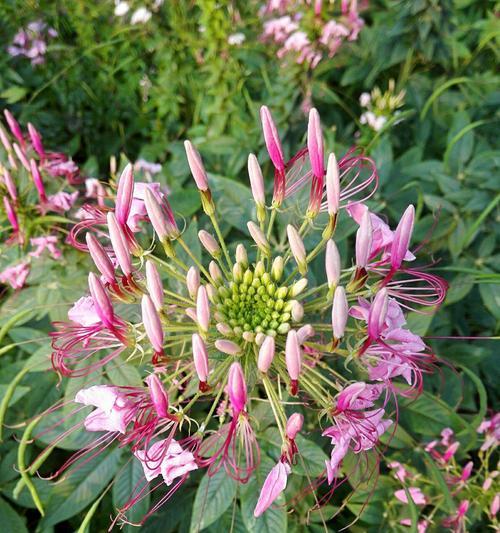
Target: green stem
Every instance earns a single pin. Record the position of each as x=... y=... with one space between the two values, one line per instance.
x=215 y=224
x=180 y=240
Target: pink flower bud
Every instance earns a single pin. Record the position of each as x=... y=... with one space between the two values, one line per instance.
x=466 y=472
x=256 y=180
x=36 y=140
x=124 y=194
x=364 y=240
x=340 y=310
x=11 y=214
x=332 y=264
x=21 y=156
x=377 y=314
x=152 y=324
x=215 y=271
x=4 y=139
x=293 y=356
x=402 y=237
x=154 y=285
x=304 y=333
x=191 y=313
x=192 y=281
x=297 y=311
x=196 y=165
x=266 y=354
x=163 y=220
x=297 y=248
x=37 y=180
x=294 y=425
x=100 y=258
x=102 y=303
x=272 y=139
x=119 y=244
x=209 y=242
x=14 y=126
x=332 y=185
x=258 y=236
x=202 y=309
x=9 y=183
x=228 y=347
x=200 y=357
x=315 y=144
x=224 y=329
x=450 y=451
x=158 y=395
x=463 y=507
x=237 y=388
x=495 y=504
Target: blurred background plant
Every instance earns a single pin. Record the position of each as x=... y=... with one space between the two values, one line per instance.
x=134 y=79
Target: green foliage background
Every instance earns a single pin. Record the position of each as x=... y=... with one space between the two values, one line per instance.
x=109 y=88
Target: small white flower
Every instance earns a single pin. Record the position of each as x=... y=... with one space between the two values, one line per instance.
x=236 y=39
x=121 y=9
x=365 y=99
x=140 y=16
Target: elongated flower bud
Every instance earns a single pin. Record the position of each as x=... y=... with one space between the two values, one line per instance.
x=209 y=243
x=163 y=222
x=315 y=144
x=196 y=165
x=21 y=155
x=229 y=347
x=294 y=425
x=402 y=237
x=202 y=309
x=277 y=268
x=102 y=303
x=36 y=140
x=378 y=313
x=293 y=359
x=332 y=264
x=124 y=194
x=158 y=395
x=215 y=272
x=152 y=324
x=100 y=258
x=272 y=139
x=37 y=180
x=193 y=281
x=4 y=139
x=154 y=285
x=364 y=240
x=266 y=354
x=304 y=333
x=242 y=256
x=257 y=185
x=297 y=311
x=340 y=310
x=297 y=248
x=332 y=185
x=258 y=236
x=14 y=126
x=11 y=214
x=200 y=356
x=119 y=244
x=9 y=184
x=298 y=287
x=237 y=388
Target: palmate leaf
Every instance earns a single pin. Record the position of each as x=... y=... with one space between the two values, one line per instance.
x=214 y=496
x=80 y=488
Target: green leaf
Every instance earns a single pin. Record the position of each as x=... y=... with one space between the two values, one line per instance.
x=234 y=202
x=122 y=373
x=129 y=481
x=10 y=520
x=80 y=488
x=490 y=294
x=213 y=497
x=275 y=518
x=14 y=94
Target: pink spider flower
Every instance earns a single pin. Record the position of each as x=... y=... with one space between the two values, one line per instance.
x=456 y=522
x=48 y=242
x=491 y=429
x=60 y=202
x=354 y=427
x=416 y=495
x=15 y=275
x=75 y=343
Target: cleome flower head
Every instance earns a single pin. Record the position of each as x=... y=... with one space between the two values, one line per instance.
x=247 y=326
